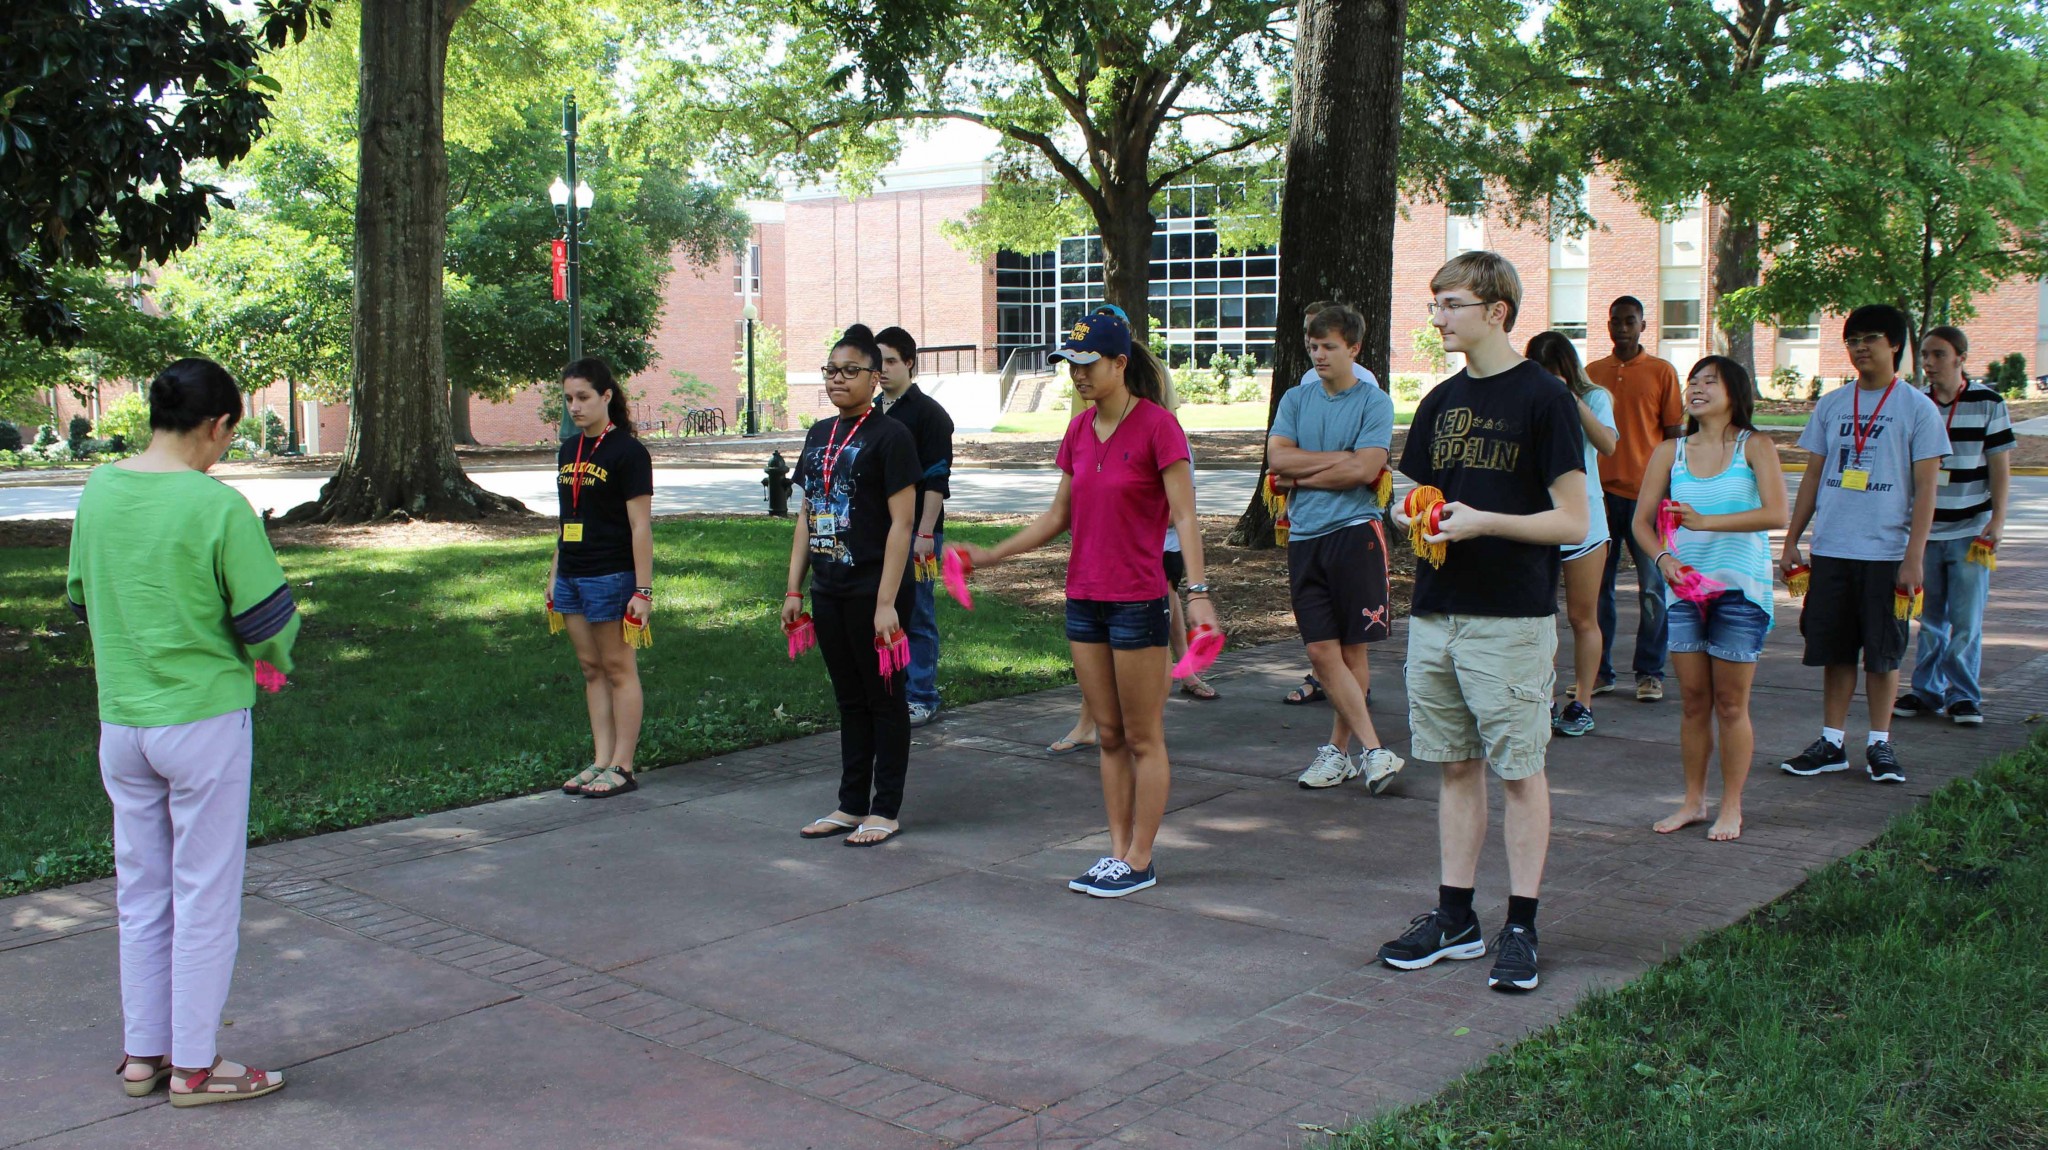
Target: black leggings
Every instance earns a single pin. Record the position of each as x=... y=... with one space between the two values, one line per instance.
x=874 y=715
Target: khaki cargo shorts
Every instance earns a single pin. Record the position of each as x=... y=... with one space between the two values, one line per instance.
x=1479 y=688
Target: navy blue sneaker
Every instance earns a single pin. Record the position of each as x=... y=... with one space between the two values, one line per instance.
x=1091 y=874
x=1118 y=879
x=1514 y=960
x=1576 y=720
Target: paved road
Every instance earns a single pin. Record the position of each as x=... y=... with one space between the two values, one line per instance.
x=676 y=489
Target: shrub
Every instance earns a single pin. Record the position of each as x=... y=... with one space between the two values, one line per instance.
x=79 y=431
x=1813 y=389
x=46 y=436
x=1407 y=387
x=2008 y=376
x=1428 y=343
x=806 y=420
x=1785 y=382
x=126 y=419
x=275 y=437
x=10 y=437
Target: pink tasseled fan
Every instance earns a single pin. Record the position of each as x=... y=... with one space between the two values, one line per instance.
x=958 y=568
x=1205 y=643
x=803 y=635
x=892 y=654
x=1690 y=585
x=269 y=677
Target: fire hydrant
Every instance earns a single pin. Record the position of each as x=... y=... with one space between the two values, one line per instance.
x=778 y=485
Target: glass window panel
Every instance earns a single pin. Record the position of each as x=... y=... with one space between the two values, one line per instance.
x=1180 y=314
x=1205 y=200
x=1073 y=273
x=1158 y=312
x=1231 y=269
x=1205 y=287
x=1182 y=245
x=1205 y=316
x=1158 y=270
x=1205 y=269
x=1073 y=251
x=1262 y=267
x=1070 y=314
x=1261 y=287
x=1230 y=312
x=1261 y=311
x=1182 y=289
x=1230 y=287
x=1205 y=245
x=1204 y=337
x=1158 y=245
x=1568 y=301
x=1094 y=249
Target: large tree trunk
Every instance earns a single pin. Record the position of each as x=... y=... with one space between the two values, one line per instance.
x=1338 y=206
x=458 y=415
x=401 y=455
x=1738 y=246
x=1127 y=252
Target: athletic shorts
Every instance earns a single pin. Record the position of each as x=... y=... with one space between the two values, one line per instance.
x=1339 y=585
x=1479 y=688
x=1176 y=568
x=1124 y=626
x=1849 y=612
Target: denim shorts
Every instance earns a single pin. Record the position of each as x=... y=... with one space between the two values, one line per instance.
x=598 y=598
x=1124 y=626
x=1729 y=628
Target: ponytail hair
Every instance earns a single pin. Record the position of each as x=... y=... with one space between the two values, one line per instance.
x=860 y=339
x=598 y=374
x=1741 y=389
x=902 y=343
x=1145 y=363
x=1554 y=352
x=191 y=392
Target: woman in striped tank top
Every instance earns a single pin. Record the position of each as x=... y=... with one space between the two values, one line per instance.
x=1731 y=496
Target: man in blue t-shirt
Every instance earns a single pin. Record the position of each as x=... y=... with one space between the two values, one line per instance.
x=1331 y=440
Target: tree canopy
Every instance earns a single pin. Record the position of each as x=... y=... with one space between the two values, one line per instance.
x=103 y=107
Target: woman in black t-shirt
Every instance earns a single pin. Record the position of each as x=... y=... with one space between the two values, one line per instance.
x=859 y=481
x=603 y=570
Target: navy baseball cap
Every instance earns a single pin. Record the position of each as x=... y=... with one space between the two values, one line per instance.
x=1093 y=337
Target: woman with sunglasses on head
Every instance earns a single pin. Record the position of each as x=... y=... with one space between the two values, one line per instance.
x=602 y=578
x=1126 y=479
x=859 y=480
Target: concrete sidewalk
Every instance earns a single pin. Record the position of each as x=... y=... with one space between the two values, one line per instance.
x=675 y=967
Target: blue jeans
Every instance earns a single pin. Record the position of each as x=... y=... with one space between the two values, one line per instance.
x=1650 y=629
x=923 y=626
x=1951 y=625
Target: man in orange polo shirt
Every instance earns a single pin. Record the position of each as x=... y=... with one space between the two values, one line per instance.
x=1647 y=411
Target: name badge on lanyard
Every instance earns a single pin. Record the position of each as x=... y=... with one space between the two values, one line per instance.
x=572 y=532
x=1854 y=479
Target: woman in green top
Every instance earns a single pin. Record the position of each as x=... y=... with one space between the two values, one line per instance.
x=175 y=579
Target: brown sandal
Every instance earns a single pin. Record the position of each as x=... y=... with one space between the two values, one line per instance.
x=144 y=1087
x=584 y=778
x=207 y=1087
x=614 y=780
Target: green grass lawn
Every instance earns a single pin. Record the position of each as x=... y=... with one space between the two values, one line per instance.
x=1896 y=999
x=427 y=679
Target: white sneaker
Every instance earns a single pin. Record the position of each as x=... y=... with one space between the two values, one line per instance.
x=1331 y=767
x=1381 y=765
x=921 y=714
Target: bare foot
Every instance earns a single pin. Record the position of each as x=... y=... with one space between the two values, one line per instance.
x=1685 y=817
x=1727 y=828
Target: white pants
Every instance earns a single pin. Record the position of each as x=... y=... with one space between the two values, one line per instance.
x=181 y=829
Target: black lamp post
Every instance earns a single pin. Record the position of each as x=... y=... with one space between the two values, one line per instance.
x=559 y=194
x=750 y=313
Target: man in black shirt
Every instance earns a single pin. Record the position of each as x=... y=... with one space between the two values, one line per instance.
x=932 y=430
x=1501 y=440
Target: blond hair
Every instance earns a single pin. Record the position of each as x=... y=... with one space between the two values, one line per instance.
x=1487 y=275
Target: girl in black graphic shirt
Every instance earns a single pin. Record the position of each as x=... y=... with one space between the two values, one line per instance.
x=604 y=566
x=859 y=479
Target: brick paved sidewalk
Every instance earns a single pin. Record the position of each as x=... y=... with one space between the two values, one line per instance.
x=676 y=966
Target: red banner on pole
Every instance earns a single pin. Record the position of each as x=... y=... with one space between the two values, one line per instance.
x=560 y=270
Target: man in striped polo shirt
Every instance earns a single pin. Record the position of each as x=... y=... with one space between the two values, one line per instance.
x=1969 y=504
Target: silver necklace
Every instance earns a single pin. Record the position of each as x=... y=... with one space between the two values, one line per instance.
x=1102 y=445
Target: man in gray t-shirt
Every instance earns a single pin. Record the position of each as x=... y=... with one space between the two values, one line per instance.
x=1873 y=451
x=1331 y=438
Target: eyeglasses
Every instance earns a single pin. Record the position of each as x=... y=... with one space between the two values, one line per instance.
x=1859 y=342
x=848 y=372
x=1437 y=309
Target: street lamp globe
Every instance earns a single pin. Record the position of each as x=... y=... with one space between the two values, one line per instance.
x=584 y=196
x=558 y=193
x=750 y=313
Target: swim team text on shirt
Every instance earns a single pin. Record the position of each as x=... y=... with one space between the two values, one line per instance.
x=596 y=537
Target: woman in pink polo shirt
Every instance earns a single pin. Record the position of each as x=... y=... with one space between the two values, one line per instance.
x=1126 y=481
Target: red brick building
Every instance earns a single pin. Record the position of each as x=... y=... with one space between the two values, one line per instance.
x=820 y=261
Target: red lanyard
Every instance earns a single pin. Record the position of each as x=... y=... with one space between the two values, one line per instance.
x=576 y=476
x=1950 y=423
x=1858 y=430
x=831 y=459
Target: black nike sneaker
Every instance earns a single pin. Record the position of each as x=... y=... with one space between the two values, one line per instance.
x=1822 y=758
x=1433 y=936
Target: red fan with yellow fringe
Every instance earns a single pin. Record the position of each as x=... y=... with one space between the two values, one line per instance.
x=1797 y=579
x=1383 y=487
x=1983 y=552
x=1281 y=527
x=556 y=622
x=1425 y=510
x=1276 y=499
x=1907 y=601
x=925 y=568
x=637 y=635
